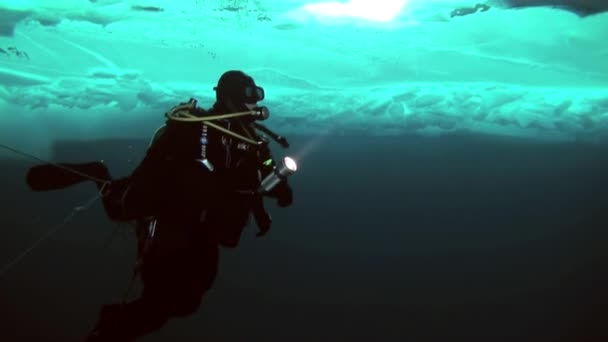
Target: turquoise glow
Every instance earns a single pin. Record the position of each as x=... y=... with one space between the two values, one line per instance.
x=375 y=10
x=86 y=69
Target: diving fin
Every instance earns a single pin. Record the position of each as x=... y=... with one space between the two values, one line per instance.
x=48 y=177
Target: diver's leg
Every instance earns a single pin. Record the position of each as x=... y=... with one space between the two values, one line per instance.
x=124 y=199
x=175 y=278
x=127 y=322
x=167 y=296
x=47 y=177
x=178 y=268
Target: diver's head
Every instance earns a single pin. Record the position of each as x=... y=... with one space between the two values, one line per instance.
x=237 y=91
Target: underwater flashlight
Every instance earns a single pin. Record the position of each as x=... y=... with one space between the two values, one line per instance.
x=260 y=113
x=286 y=169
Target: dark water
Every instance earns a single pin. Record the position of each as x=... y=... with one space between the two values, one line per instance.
x=389 y=239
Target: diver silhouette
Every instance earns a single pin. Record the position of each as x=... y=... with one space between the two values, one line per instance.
x=204 y=175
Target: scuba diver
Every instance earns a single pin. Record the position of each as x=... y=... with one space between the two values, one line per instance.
x=461 y=12
x=204 y=175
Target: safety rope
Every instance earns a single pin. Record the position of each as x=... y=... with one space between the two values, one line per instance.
x=51 y=232
x=98 y=180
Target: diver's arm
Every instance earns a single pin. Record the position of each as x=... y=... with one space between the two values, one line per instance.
x=159 y=132
x=155 y=153
x=119 y=202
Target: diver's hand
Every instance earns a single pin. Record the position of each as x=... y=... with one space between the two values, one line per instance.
x=262 y=218
x=283 y=193
x=262 y=232
x=286 y=198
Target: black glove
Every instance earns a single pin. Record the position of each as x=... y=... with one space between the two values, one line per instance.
x=261 y=216
x=283 y=193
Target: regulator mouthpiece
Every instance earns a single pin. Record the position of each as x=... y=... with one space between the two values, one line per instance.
x=261 y=113
x=286 y=169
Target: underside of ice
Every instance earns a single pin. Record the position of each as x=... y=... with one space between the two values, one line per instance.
x=408 y=67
